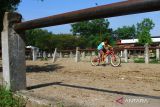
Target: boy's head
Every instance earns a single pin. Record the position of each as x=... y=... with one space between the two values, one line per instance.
x=106 y=42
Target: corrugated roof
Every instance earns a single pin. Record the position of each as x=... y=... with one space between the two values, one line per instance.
x=125 y=41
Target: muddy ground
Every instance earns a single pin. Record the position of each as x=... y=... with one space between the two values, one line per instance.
x=82 y=84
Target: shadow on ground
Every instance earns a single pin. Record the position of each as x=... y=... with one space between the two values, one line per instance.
x=93 y=89
x=46 y=68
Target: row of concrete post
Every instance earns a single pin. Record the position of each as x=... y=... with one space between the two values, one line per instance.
x=146 y=54
x=77 y=55
x=36 y=54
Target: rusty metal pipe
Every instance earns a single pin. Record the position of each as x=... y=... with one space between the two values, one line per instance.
x=104 y=11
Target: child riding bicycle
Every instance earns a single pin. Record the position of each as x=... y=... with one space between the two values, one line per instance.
x=103 y=48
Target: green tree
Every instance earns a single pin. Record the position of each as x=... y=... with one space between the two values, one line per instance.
x=7 y=5
x=91 y=27
x=47 y=41
x=143 y=31
x=93 y=30
x=39 y=38
x=126 y=32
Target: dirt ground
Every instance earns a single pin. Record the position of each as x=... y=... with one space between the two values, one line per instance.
x=89 y=86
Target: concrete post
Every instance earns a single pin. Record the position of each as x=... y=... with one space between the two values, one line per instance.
x=108 y=59
x=77 y=58
x=34 y=54
x=140 y=52
x=57 y=55
x=71 y=54
x=61 y=56
x=88 y=53
x=44 y=55
x=49 y=55
x=125 y=55
x=83 y=55
x=121 y=54
x=157 y=54
x=54 y=55
x=39 y=54
x=93 y=53
x=146 y=53
x=13 y=53
x=129 y=53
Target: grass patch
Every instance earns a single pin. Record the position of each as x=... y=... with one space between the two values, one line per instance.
x=44 y=59
x=60 y=104
x=8 y=100
x=154 y=61
x=139 y=60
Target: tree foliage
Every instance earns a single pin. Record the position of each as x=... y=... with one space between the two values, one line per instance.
x=143 y=31
x=126 y=32
x=95 y=31
x=7 y=5
x=47 y=41
x=91 y=27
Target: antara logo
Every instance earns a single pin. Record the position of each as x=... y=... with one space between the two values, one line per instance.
x=120 y=100
x=123 y=100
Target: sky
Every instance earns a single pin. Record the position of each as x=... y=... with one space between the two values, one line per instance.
x=33 y=9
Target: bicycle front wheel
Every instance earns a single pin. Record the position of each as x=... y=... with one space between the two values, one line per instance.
x=95 y=60
x=115 y=60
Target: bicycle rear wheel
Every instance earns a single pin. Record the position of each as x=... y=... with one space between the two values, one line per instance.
x=95 y=60
x=115 y=60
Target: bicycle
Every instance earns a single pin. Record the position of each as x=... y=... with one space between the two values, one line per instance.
x=115 y=60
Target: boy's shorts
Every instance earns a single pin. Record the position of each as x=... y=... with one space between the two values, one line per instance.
x=102 y=51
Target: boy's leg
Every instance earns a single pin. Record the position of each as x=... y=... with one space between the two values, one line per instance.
x=108 y=56
x=101 y=55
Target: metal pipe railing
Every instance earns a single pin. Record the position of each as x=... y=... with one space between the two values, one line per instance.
x=104 y=11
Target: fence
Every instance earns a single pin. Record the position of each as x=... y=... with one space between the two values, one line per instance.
x=30 y=54
x=80 y=54
x=124 y=52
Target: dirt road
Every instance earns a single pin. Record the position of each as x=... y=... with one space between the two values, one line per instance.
x=135 y=85
x=99 y=86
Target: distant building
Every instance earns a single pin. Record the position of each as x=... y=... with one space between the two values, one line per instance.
x=131 y=44
x=134 y=42
x=31 y=51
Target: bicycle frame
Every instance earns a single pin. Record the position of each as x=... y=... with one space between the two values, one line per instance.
x=110 y=54
x=107 y=53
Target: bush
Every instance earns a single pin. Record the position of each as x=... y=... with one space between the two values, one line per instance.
x=8 y=100
x=154 y=61
x=139 y=60
x=44 y=59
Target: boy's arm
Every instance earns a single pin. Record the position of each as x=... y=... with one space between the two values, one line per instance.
x=110 y=47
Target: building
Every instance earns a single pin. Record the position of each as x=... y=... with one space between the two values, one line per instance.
x=134 y=48
x=134 y=42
